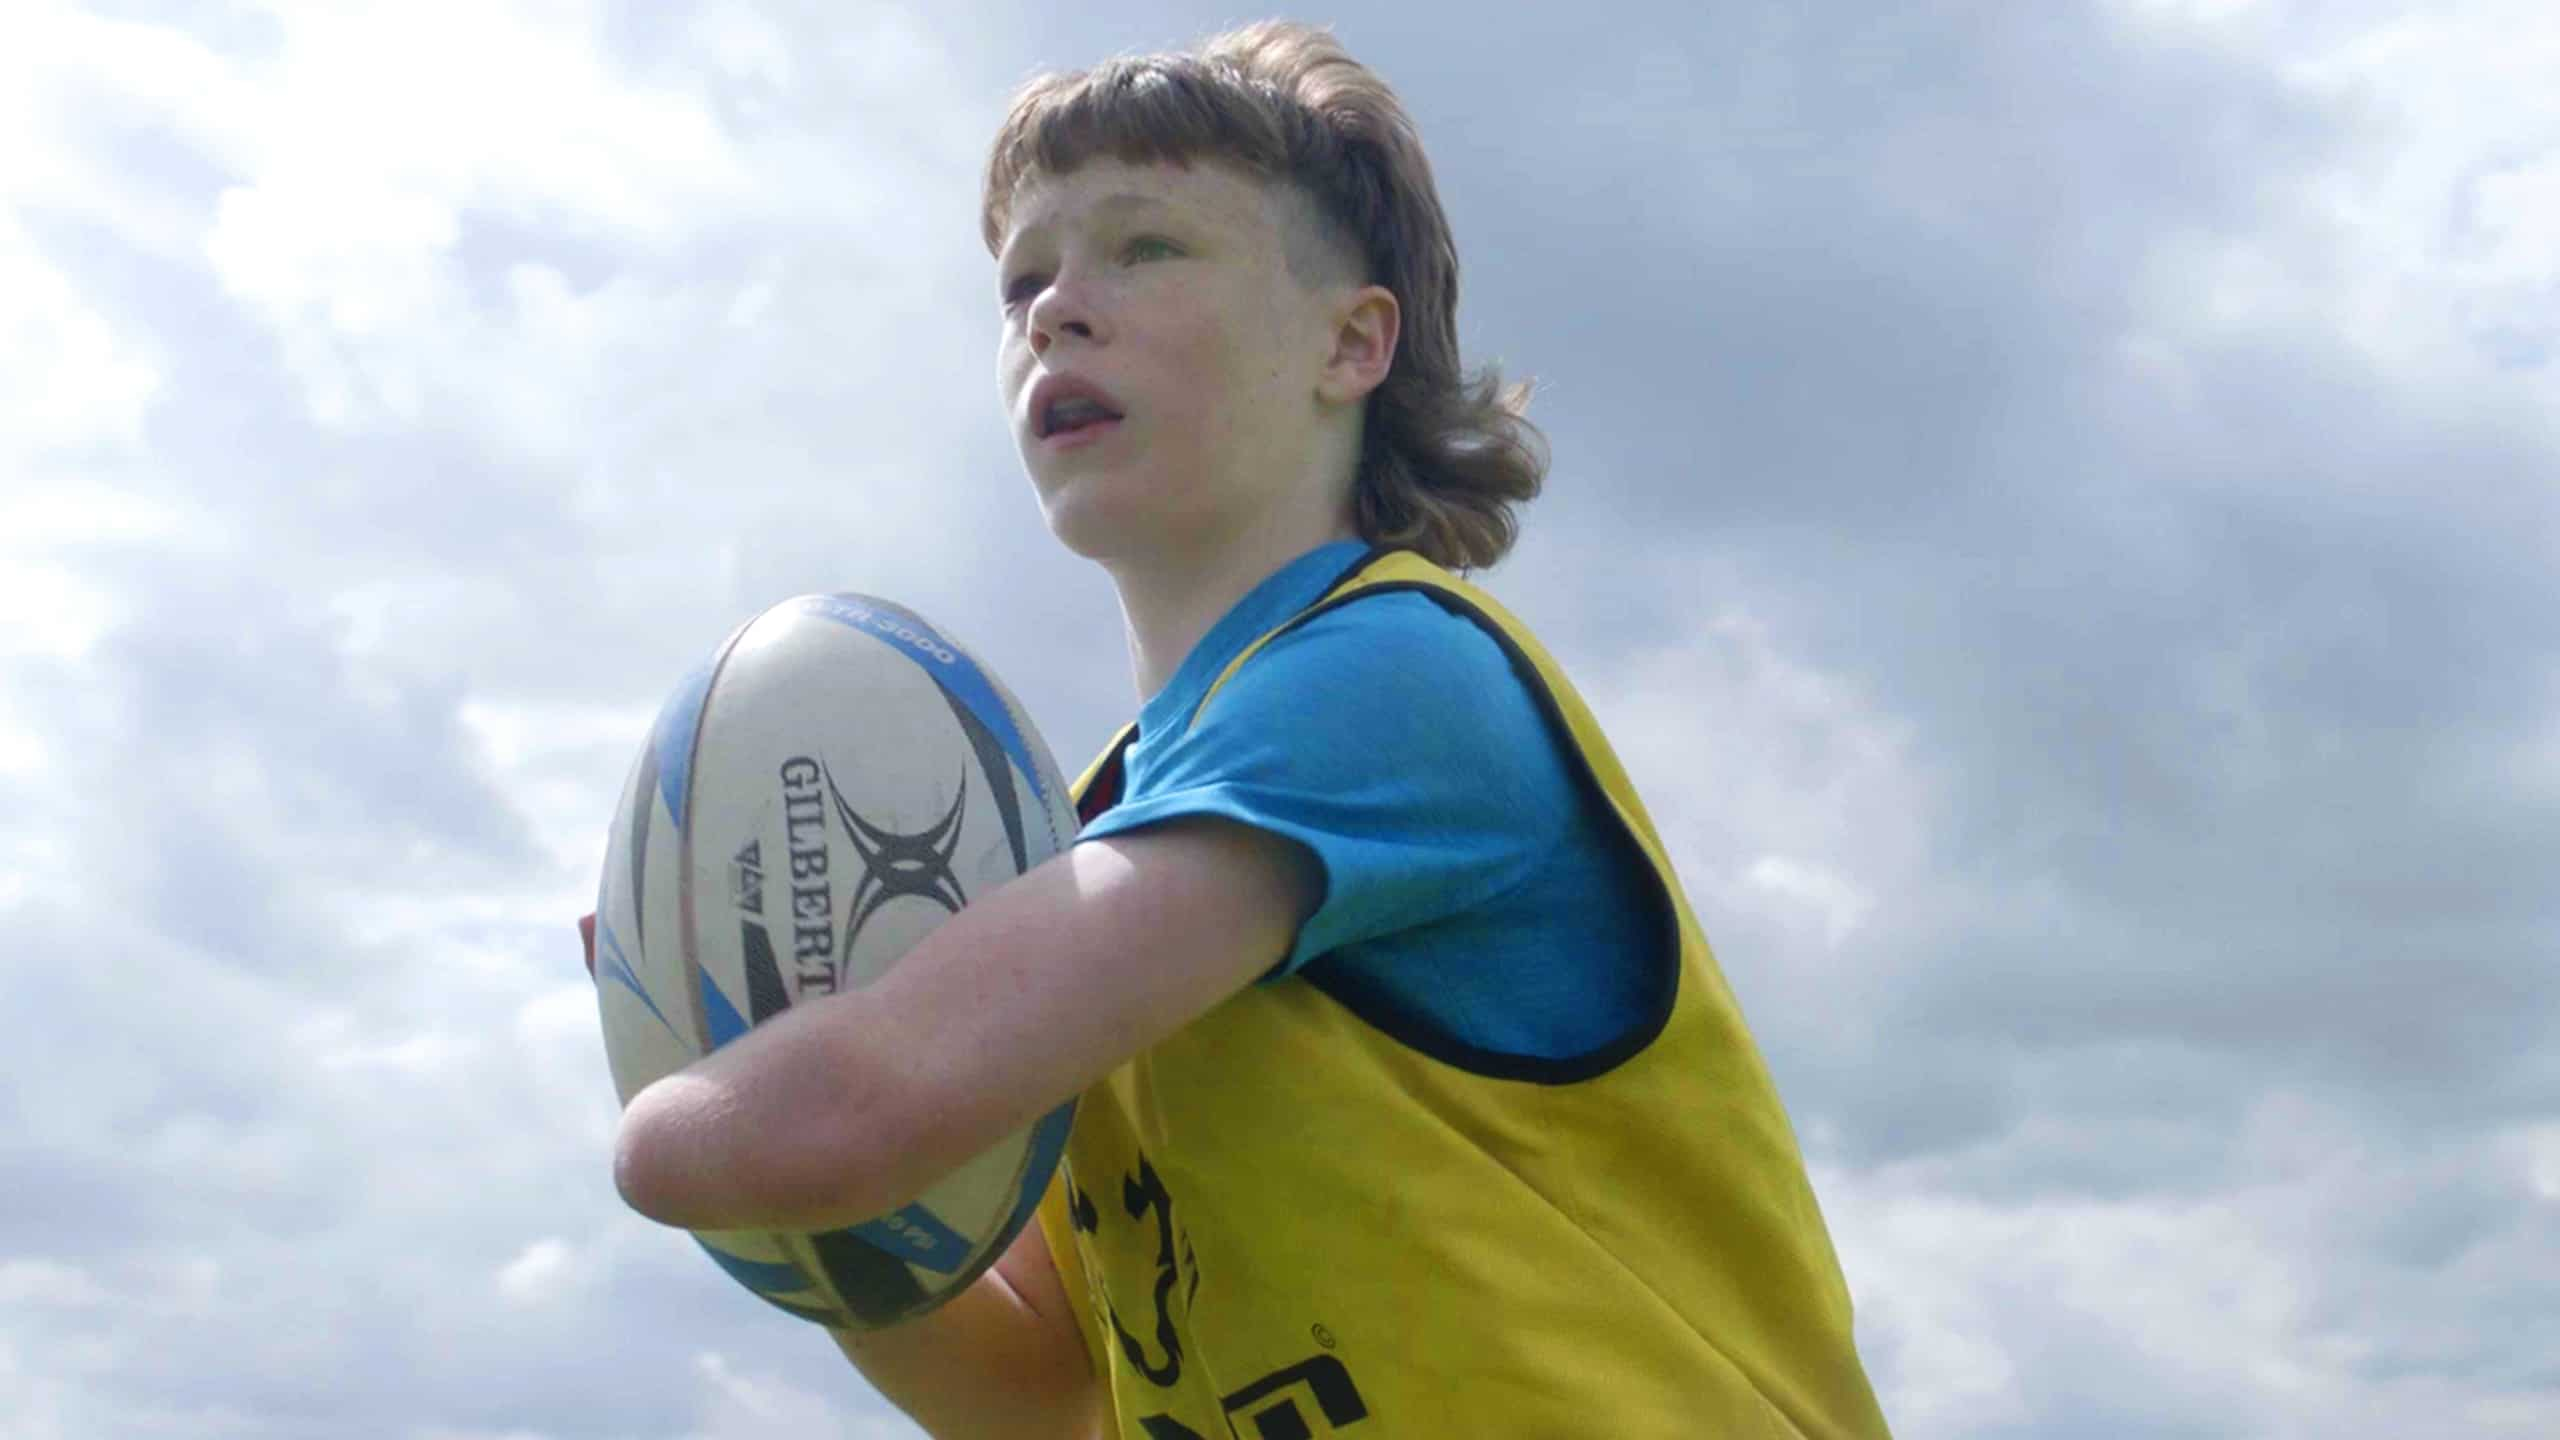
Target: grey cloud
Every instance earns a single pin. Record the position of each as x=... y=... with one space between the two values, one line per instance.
x=2218 y=896
x=2219 y=685
x=234 y=735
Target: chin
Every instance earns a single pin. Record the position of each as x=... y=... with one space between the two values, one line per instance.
x=1111 y=528
x=1096 y=531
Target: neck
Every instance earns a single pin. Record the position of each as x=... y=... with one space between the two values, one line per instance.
x=1170 y=601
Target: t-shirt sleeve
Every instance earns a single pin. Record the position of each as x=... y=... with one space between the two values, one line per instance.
x=1394 y=741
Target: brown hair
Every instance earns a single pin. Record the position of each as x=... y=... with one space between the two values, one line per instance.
x=1445 y=456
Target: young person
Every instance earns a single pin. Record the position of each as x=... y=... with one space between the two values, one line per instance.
x=1413 y=1102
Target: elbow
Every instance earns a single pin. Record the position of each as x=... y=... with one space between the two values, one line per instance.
x=640 y=1165
x=679 y=1161
x=675 y=1159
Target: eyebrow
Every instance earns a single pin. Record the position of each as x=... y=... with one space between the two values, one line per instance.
x=1115 y=203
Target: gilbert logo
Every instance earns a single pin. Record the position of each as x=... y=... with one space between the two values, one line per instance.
x=812 y=910
x=896 y=866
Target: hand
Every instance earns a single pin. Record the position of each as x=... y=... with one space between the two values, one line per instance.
x=587 y=937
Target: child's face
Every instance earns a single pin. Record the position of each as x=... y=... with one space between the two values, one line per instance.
x=1166 y=291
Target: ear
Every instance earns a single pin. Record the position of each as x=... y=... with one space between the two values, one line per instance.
x=1366 y=323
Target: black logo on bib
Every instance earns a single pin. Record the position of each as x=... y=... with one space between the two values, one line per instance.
x=1271 y=1402
x=1286 y=1404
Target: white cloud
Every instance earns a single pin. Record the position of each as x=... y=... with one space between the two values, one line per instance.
x=1753 y=760
x=741 y=1403
x=68 y=380
x=2243 y=1307
x=2540 y=1145
x=35 y=1400
x=493 y=231
x=44 y=1282
x=1840 y=906
x=50 y=611
x=539 y=1273
x=360 y=166
x=551 y=758
x=2427 y=243
x=22 y=755
x=421 y=1056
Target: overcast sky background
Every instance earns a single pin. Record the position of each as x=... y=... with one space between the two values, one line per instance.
x=2057 y=505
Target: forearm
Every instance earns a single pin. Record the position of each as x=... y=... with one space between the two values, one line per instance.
x=992 y=1364
x=843 y=1108
x=834 y=1111
x=798 y=1125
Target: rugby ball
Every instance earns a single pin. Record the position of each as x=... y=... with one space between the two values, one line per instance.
x=837 y=780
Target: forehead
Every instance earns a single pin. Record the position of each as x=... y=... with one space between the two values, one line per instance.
x=1204 y=192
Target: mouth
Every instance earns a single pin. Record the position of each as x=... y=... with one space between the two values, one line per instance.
x=1069 y=437
x=1066 y=409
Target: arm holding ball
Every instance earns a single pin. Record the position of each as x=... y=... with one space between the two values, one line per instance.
x=846 y=1107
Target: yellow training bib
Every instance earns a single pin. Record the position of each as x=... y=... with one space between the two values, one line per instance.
x=1286 y=1222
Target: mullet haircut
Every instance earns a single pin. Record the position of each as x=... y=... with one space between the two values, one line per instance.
x=1446 y=456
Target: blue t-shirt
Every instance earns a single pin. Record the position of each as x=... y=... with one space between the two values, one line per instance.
x=1474 y=889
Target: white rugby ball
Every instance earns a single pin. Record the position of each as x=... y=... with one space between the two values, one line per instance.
x=835 y=781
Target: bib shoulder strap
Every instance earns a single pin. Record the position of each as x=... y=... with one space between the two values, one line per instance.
x=1381 y=567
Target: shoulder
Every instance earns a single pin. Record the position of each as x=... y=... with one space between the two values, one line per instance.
x=1395 y=695
x=1381 y=652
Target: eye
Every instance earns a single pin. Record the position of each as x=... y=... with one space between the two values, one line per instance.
x=1147 y=247
x=1022 y=287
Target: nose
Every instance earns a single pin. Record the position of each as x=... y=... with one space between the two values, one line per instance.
x=1062 y=309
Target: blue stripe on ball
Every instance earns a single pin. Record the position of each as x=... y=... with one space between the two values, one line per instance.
x=918 y=1236
x=617 y=967
x=950 y=668
x=765 y=1277
x=672 y=737
x=725 y=1023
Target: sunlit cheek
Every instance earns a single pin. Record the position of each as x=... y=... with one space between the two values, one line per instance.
x=1013 y=371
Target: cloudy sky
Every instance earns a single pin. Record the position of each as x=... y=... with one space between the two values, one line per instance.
x=2055 y=502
